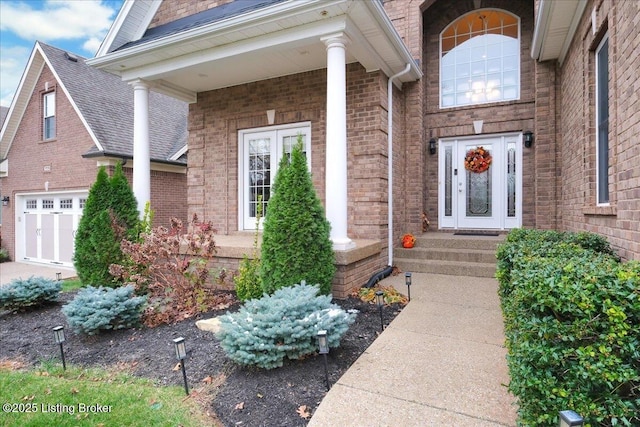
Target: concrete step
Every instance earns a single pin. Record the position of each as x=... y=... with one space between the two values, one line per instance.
x=452 y=268
x=446 y=253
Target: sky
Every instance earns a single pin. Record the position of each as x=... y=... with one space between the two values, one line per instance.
x=78 y=26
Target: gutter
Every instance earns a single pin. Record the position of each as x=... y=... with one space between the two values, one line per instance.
x=390 y=155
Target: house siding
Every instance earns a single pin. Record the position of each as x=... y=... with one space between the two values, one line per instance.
x=620 y=221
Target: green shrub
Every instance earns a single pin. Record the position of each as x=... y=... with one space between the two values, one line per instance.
x=248 y=282
x=96 y=309
x=22 y=294
x=110 y=214
x=265 y=331
x=295 y=242
x=572 y=327
x=4 y=255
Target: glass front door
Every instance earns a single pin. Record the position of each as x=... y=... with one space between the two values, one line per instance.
x=480 y=182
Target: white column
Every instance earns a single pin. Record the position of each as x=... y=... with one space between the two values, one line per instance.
x=141 y=156
x=336 y=146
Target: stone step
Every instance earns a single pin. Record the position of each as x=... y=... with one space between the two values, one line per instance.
x=453 y=268
x=447 y=254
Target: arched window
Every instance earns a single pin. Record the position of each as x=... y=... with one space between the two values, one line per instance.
x=480 y=59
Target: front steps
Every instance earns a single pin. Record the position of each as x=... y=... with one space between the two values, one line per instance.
x=446 y=253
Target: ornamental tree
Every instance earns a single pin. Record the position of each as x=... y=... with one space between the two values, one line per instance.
x=295 y=243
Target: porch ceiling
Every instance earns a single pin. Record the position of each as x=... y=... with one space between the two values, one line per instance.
x=279 y=40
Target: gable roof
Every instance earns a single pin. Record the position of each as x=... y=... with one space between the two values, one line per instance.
x=104 y=104
x=247 y=41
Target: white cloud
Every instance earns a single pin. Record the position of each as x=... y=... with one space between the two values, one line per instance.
x=12 y=63
x=92 y=45
x=57 y=20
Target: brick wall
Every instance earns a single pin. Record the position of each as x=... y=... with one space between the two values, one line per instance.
x=168 y=196
x=620 y=221
x=172 y=10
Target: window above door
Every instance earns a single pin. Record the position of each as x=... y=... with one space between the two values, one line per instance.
x=480 y=59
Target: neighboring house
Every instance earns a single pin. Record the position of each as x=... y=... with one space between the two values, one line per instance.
x=65 y=120
x=3 y=115
x=523 y=79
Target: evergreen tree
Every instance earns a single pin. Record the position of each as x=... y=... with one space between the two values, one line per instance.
x=110 y=206
x=295 y=244
x=123 y=202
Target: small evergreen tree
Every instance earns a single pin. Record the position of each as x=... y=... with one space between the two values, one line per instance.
x=295 y=244
x=110 y=213
x=123 y=202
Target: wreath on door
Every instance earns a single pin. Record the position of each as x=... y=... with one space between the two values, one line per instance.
x=477 y=160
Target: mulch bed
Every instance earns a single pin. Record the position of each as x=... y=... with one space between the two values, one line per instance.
x=239 y=396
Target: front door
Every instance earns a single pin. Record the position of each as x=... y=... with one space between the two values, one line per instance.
x=480 y=182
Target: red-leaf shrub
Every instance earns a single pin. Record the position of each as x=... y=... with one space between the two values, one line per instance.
x=171 y=268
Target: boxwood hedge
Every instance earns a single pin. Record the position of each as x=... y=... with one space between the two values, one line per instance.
x=572 y=326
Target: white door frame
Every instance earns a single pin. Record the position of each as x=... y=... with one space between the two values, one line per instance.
x=275 y=134
x=450 y=157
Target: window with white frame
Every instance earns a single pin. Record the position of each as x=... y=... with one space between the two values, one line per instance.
x=49 y=116
x=480 y=59
x=602 y=120
x=260 y=152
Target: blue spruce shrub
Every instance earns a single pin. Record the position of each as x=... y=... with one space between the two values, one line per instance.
x=285 y=324
x=95 y=309
x=22 y=294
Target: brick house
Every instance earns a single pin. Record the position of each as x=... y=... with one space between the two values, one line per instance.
x=65 y=120
x=391 y=98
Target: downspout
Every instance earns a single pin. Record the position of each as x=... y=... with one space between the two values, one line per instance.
x=385 y=272
x=390 y=156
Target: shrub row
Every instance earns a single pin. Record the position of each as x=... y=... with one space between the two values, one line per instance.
x=572 y=326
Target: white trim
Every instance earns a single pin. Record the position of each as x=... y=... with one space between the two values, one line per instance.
x=158 y=167
x=244 y=222
x=116 y=29
x=181 y=152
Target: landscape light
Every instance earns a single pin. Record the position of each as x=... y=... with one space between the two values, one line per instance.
x=323 y=346
x=380 y=301
x=570 y=419
x=407 y=281
x=181 y=354
x=58 y=335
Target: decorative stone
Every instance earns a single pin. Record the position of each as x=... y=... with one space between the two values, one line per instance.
x=209 y=325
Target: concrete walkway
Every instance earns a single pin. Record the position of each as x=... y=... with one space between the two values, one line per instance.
x=15 y=270
x=441 y=362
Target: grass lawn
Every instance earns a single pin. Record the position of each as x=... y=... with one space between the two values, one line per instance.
x=49 y=396
x=71 y=284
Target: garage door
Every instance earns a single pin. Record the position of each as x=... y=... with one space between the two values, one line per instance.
x=49 y=224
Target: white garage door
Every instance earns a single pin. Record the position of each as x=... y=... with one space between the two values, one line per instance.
x=49 y=223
